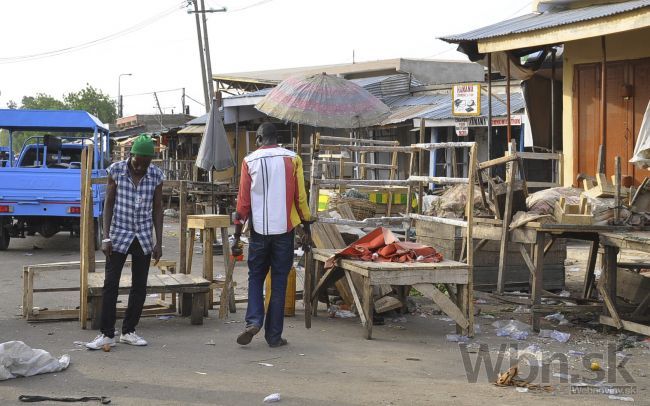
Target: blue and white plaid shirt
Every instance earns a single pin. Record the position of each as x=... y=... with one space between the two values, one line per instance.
x=133 y=211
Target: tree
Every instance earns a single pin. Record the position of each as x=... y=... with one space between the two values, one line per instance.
x=93 y=101
x=42 y=101
x=12 y=105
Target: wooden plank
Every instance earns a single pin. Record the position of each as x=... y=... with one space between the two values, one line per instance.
x=537 y=284
x=357 y=302
x=443 y=301
x=182 y=279
x=182 y=228
x=507 y=215
x=229 y=263
x=610 y=307
x=469 y=214
x=368 y=307
x=526 y=257
x=641 y=308
x=153 y=281
x=627 y=325
x=498 y=161
x=441 y=145
x=591 y=267
x=387 y=303
x=205 y=221
x=353 y=140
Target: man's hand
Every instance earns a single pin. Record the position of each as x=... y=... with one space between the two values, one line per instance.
x=107 y=248
x=157 y=253
x=237 y=248
x=306 y=241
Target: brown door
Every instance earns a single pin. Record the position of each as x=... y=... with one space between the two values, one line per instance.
x=586 y=118
x=624 y=115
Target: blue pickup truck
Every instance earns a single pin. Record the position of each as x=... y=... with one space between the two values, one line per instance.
x=40 y=190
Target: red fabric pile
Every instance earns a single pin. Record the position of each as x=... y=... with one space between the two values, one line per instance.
x=381 y=245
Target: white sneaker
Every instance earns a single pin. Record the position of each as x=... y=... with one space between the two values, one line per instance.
x=132 y=339
x=100 y=341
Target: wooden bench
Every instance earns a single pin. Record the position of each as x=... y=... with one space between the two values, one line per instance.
x=191 y=289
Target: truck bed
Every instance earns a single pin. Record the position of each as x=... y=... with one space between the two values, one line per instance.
x=45 y=191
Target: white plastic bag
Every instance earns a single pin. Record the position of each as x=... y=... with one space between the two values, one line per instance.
x=18 y=359
x=641 y=156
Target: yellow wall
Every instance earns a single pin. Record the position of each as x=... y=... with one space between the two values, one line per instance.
x=627 y=45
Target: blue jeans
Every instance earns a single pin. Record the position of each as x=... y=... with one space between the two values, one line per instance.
x=264 y=252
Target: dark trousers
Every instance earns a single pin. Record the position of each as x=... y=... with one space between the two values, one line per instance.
x=139 y=273
x=264 y=252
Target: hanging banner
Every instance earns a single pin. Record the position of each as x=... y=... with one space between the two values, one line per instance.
x=466 y=100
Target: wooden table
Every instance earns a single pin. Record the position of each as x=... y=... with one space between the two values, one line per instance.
x=613 y=242
x=192 y=290
x=540 y=238
x=208 y=224
x=421 y=276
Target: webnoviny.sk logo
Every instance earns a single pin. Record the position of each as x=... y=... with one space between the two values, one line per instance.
x=539 y=365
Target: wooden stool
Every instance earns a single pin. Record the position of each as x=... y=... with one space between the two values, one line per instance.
x=208 y=223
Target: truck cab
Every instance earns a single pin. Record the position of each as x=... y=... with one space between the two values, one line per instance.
x=40 y=190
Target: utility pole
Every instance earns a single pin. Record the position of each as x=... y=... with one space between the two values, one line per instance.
x=206 y=97
x=183 y=102
x=206 y=44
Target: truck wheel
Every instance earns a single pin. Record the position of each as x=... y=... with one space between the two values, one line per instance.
x=4 y=236
x=99 y=233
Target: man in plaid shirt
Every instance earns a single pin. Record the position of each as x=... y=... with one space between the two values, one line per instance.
x=132 y=209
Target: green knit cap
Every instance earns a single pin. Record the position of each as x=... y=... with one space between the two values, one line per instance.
x=142 y=146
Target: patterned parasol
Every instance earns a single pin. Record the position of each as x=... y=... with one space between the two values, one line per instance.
x=323 y=101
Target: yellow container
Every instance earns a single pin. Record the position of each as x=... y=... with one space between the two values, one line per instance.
x=290 y=298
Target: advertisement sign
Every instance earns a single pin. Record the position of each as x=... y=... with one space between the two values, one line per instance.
x=466 y=100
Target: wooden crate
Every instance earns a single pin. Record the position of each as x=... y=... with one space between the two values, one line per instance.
x=448 y=240
x=632 y=286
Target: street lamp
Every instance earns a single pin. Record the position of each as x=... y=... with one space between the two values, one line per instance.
x=119 y=95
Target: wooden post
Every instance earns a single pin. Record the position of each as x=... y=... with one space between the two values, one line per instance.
x=87 y=258
x=469 y=210
x=423 y=130
x=617 y=194
x=409 y=197
x=603 y=104
x=511 y=168
x=393 y=171
x=208 y=270
x=537 y=285
x=509 y=134
x=182 y=229
x=229 y=263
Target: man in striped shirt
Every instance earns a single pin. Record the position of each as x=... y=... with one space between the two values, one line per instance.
x=272 y=198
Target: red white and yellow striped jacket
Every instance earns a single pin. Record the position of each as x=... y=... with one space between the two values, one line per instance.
x=272 y=191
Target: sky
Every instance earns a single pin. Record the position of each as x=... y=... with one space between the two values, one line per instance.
x=57 y=47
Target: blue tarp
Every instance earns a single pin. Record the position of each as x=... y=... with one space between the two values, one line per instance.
x=49 y=120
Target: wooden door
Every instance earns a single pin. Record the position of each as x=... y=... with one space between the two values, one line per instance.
x=586 y=118
x=618 y=141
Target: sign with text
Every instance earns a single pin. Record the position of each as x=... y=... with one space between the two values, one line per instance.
x=466 y=100
x=462 y=128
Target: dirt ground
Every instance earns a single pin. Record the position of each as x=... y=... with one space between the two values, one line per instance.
x=409 y=361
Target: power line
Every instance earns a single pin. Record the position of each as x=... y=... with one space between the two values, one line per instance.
x=110 y=37
x=152 y=92
x=256 y=4
x=194 y=100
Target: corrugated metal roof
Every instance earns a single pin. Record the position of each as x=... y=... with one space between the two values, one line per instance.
x=193 y=130
x=443 y=110
x=405 y=113
x=536 y=21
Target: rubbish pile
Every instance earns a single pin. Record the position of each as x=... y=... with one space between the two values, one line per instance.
x=451 y=203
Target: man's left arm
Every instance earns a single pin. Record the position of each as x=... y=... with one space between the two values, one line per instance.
x=158 y=222
x=303 y=204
